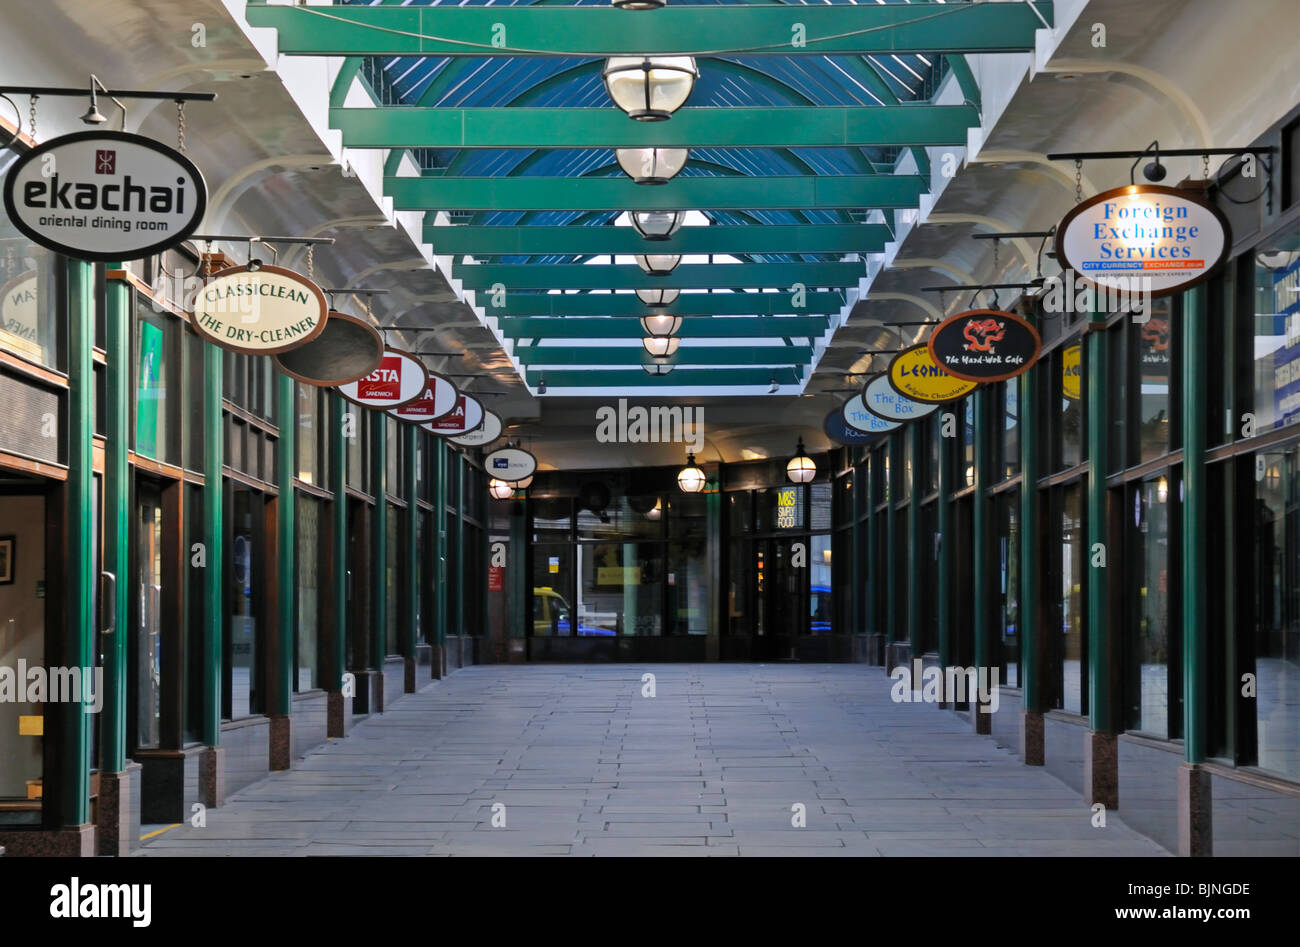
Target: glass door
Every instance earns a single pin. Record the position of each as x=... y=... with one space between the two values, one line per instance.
x=147 y=652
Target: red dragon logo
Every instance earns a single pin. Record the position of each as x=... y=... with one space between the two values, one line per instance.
x=982 y=333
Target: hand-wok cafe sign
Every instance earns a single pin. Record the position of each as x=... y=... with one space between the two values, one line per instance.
x=985 y=345
x=260 y=310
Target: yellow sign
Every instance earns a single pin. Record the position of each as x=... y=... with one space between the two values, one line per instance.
x=1071 y=370
x=31 y=725
x=786 y=503
x=914 y=374
x=618 y=575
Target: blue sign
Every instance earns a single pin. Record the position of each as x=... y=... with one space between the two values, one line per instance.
x=838 y=431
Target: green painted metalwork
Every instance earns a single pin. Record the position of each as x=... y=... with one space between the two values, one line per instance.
x=411 y=561
x=1031 y=664
x=874 y=567
x=213 y=540
x=917 y=554
x=117 y=516
x=688 y=355
x=462 y=566
x=516 y=570
x=946 y=550
x=723 y=327
x=379 y=552
x=440 y=524
x=981 y=562
x=338 y=465
x=480 y=276
x=1102 y=646
x=894 y=449
x=787 y=192
x=1195 y=574
x=740 y=127
x=70 y=805
x=690 y=30
x=577 y=305
x=679 y=378
x=605 y=240
x=286 y=466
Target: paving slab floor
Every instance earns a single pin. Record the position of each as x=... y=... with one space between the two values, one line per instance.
x=724 y=759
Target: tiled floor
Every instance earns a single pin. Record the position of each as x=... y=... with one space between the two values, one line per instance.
x=576 y=761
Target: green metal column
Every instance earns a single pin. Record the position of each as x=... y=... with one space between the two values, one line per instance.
x=117 y=517
x=1101 y=639
x=981 y=626
x=440 y=494
x=379 y=532
x=411 y=590
x=917 y=559
x=717 y=611
x=213 y=541
x=1030 y=645
x=857 y=625
x=338 y=466
x=946 y=461
x=873 y=567
x=516 y=570
x=891 y=538
x=461 y=570
x=286 y=466
x=71 y=802
x=1195 y=696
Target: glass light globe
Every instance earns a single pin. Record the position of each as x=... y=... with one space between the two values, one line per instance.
x=500 y=490
x=658 y=298
x=690 y=478
x=801 y=468
x=651 y=165
x=658 y=264
x=657 y=368
x=650 y=88
x=657 y=224
x=661 y=325
x=661 y=346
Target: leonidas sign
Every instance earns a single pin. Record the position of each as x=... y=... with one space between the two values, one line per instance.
x=913 y=374
x=105 y=196
x=261 y=311
x=1143 y=239
x=985 y=345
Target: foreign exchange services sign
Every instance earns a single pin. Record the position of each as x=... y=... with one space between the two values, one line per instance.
x=1143 y=239
x=105 y=196
x=261 y=311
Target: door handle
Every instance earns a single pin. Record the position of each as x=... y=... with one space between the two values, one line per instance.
x=107 y=603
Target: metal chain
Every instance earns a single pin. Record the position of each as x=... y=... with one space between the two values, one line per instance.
x=996 y=243
x=311 y=262
x=1078 y=180
x=180 y=126
x=1205 y=165
x=31 y=116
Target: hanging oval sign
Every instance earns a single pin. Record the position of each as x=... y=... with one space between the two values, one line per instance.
x=400 y=378
x=19 y=314
x=985 y=345
x=1142 y=239
x=510 y=464
x=259 y=311
x=1072 y=372
x=105 y=196
x=880 y=398
x=859 y=418
x=839 y=431
x=348 y=349
x=484 y=434
x=438 y=398
x=466 y=416
x=913 y=374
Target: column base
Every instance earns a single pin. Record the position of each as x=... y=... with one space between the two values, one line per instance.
x=76 y=841
x=1031 y=738
x=408 y=677
x=338 y=714
x=981 y=722
x=1101 y=769
x=281 y=742
x=118 y=817
x=517 y=651
x=1195 y=813
x=370 y=692
x=212 y=776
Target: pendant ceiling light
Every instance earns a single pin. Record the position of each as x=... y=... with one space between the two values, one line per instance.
x=650 y=88
x=638 y=4
x=661 y=325
x=657 y=511
x=500 y=490
x=651 y=165
x=658 y=264
x=801 y=468
x=661 y=346
x=657 y=224
x=690 y=478
x=657 y=368
x=658 y=298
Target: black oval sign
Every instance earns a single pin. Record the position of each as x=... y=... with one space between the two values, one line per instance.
x=105 y=196
x=839 y=431
x=985 y=345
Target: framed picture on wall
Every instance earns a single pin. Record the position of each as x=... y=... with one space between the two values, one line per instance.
x=6 y=560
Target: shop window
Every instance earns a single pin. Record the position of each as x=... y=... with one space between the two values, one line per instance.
x=393 y=584
x=1069 y=653
x=1151 y=345
x=1276 y=322
x=31 y=321
x=156 y=356
x=1007 y=400
x=1151 y=596
x=310 y=439
x=687 y=580
x=306 y=644
x=821 y=601
x=1008 y=597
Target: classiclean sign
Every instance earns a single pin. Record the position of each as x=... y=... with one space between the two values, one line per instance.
x=484 y=434
x=838 y=430
x=985 y=345
x=105 y=196
x=880 y=398
x=1143 y=238
x=400 y=378
x=859 y=418
x=438 y=398
x=1071 y=371
x=914 y=375
x=510 y=464
x=261 y=311
x=466 y=416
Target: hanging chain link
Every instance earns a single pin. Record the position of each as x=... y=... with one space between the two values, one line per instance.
x=1078 y=181
x=311 y=262
x=180 y=126
x=996 y=244
x=31 y=116
x=1205 y=167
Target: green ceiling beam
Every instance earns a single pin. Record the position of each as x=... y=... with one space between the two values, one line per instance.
x=634 y=355
x=682 y=30
x=785 y=192
x=722 y=327
x=687 y=304
x=481 y=276
x=595 y=241
x=790 y=126
x=622 y=378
